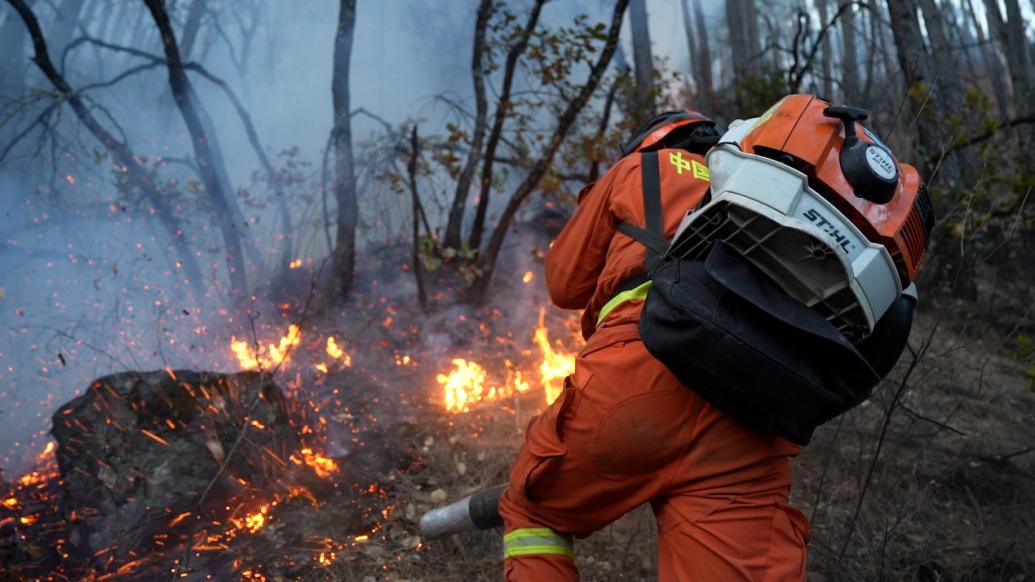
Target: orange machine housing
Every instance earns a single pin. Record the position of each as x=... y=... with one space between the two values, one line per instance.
x=901 y=225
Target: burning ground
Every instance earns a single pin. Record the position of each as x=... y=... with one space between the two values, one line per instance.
x=294 y=463
x=317 y=457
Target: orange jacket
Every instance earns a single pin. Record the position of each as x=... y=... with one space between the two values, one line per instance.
x=591 y=258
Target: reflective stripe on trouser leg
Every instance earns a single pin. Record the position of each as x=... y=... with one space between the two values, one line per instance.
x=537 y=541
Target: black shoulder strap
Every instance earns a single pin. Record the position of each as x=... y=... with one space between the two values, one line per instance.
x=653 y=236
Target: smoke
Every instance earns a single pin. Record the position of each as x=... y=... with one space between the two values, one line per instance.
x=88 y=282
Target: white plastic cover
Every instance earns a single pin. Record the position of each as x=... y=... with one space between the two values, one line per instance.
x=768 y=213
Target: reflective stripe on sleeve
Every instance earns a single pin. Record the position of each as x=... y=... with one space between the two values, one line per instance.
x=537 y=540
x=637 y=294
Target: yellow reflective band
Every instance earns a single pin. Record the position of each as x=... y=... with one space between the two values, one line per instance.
x=537 y=541
x=637 y=294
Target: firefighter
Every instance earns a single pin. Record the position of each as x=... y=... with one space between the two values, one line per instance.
x=625 y=432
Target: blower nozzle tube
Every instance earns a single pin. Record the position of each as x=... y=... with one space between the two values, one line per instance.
x=478 y=511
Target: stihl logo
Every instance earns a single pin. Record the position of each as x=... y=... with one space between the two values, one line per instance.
x=828 y=227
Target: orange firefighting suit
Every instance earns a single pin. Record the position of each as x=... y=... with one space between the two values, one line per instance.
x=625 y=432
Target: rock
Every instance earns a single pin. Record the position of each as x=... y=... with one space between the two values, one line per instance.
x=139 y=449
x=438 y=496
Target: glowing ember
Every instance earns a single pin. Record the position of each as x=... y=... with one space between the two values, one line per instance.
x=527 y=278
x=557 y=364
x=337 y=353
x=252 y=522
x=326 y=558
x=11 y=503
x=295 y=264
x=322 y=465
x=275 y=354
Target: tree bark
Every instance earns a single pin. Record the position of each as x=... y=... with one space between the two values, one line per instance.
x=704 y=57
x=64 y=26
x=949 y=89
x=415 y=211
x=228 y=215
x=914 y=61
x=502 y=111
x=191 y=27
x=12 y=69
x=850 y=60
x=130 y=173
x=643 y=60
x=993 y=66
x=344 y=255
x=1019 y=57
x=487 y=261
x=824 y=18
x=454 y=224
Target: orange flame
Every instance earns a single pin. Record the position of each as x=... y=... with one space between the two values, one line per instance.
x=337 y=353
x=464 y=385
x=276 y=354
x=557 y=364
x=322 y=465
x=468 y=383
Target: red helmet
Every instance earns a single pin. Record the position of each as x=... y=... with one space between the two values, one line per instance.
x=687 y=129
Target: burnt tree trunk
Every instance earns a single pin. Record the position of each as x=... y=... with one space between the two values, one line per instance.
x=344 y=255
x=228 y=215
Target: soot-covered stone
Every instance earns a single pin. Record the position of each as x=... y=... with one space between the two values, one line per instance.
x=139 y=449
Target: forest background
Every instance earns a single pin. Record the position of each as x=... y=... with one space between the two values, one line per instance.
x=175 y=174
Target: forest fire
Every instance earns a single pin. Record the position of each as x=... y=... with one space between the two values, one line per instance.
x=275 y=354
x=468 y=382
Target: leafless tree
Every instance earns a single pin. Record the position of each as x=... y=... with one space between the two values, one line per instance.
x=132 y=176
x=228 y=215
x=344 y=253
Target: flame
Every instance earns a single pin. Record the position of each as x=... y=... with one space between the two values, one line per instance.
x=276 y=354
x=337 y=353
x=465 y=384
x=468 y=383
x=322 y=465
x=556 y=364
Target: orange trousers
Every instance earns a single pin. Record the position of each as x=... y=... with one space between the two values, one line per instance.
x=624 y=433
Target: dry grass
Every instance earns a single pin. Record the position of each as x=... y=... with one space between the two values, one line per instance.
x=945 y=500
